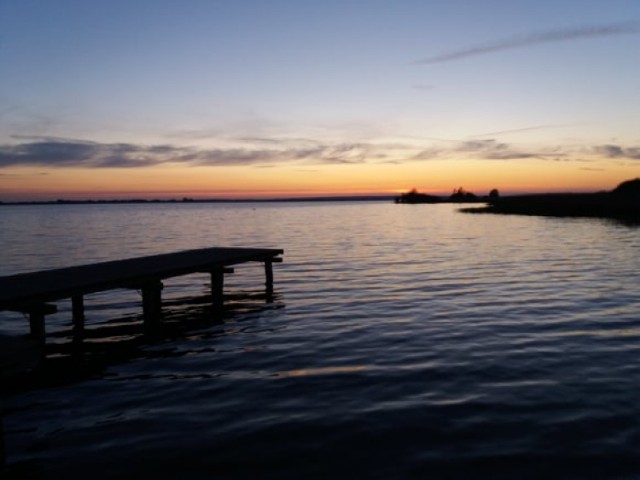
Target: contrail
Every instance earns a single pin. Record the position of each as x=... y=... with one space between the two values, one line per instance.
x=519 y=130
x=561 y=35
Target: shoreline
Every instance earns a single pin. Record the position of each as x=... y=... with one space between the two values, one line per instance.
x=602 y=205
x=367 y=198
x=623 y=202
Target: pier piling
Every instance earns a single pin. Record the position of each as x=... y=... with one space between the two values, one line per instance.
x=77 y=312
x=152 y=302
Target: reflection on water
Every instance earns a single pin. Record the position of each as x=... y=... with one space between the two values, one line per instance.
x=405 y=341
x=322 y=371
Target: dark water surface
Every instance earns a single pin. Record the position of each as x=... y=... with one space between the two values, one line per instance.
x=405 y=341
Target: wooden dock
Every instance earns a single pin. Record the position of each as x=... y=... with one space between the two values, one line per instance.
x=33 y=293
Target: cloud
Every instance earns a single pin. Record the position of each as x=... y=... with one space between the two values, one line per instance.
x=54 y=152
x=75 y=153
x=320 y=154
x=551 y=36
x=68 y=153
x=21 y=175
x=481 y=146
x=45 y=153
x=616 y=151
x=490 y=149
x=345 y=153
x=485 y=149
x=423 y=87
x=261 y=140
x=428 y=154
x=610 y=151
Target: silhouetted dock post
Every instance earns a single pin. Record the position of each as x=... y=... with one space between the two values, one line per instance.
x=36 y=324
x=268 y=274
x=217 y=286
x=77 y=312
x=37 y=312
x=217 y=289
x=152 y=302
x=3 y=454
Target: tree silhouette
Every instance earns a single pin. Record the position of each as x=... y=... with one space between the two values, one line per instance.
x=461 y=195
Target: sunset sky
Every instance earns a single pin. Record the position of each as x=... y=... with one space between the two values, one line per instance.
x=283 y=98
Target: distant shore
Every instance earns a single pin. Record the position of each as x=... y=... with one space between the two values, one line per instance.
x=344 y=198
x=623 y=202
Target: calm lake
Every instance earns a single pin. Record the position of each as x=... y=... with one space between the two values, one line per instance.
x=405 y=341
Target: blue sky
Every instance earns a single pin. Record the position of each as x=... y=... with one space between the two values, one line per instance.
x=513 y=79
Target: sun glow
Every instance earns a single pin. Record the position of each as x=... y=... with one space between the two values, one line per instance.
x=278 y=181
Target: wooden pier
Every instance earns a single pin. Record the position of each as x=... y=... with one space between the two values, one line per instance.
x=33 y=293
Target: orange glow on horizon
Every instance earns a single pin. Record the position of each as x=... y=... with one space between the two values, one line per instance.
x=293 y=181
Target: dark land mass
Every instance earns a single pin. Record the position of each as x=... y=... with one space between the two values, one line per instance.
x=459 y=195
x=623 y=202
x=345 y=198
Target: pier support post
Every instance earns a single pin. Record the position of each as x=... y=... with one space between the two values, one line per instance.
x=152 y=302
x=268 y=274
x=77 y=311
x=217 y=289
x=36 y=324
x=37 y=313
x=217 y=286
x=3 y=454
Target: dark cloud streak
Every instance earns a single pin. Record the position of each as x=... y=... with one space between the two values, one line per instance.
x=82 y=154
x=560 y=35
x=486 y=149
x=616 y=151
x=93 y=155
x=490 y=149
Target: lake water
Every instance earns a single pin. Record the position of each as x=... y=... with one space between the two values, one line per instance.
x=405 y=341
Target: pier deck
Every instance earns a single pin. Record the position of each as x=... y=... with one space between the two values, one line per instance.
x=32 y=292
